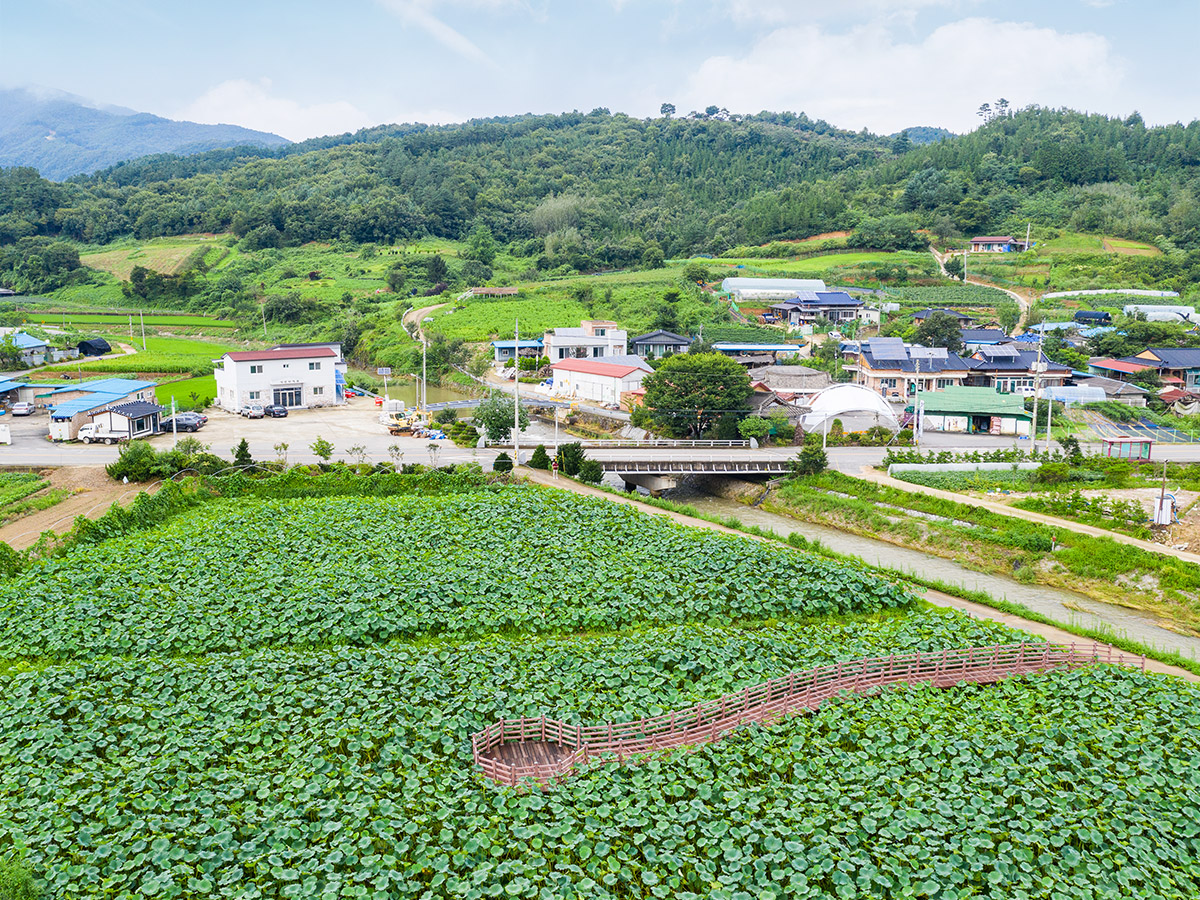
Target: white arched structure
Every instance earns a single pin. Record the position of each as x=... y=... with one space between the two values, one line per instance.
x=858 y=407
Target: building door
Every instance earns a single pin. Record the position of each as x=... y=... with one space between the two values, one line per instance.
x=288 y=397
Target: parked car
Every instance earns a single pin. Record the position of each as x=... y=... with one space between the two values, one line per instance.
x=252 y=411
x=275 y=411
x=22 y=409
x=184 y=421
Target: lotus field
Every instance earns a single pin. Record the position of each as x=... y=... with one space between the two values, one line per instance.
x=273 y=698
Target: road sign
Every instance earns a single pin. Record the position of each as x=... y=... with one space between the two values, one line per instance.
x=383 y=370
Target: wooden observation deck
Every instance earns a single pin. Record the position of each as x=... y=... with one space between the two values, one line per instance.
x=546 y=750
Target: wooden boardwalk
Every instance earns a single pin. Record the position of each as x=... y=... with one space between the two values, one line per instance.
x=546 y=750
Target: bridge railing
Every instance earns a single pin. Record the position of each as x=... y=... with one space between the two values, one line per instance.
x=768 y=702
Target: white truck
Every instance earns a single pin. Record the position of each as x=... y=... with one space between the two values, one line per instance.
x=100 y=434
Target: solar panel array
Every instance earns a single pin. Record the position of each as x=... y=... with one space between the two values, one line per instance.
x=1000 y=351
x=888 y=348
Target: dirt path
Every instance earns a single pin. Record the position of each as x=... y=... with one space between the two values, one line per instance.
x=415 y=317
x=937 y=598
x=93 y=493
x=871 y=474
x=1022 y=301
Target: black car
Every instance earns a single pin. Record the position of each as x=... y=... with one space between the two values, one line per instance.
x=275 y=411
x=184 y=421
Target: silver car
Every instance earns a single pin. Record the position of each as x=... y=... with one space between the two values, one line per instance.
x=252 y=411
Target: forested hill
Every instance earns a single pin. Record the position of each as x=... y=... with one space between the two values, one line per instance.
x=614 y=185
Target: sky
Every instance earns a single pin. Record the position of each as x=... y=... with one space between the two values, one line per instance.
x=305 y=68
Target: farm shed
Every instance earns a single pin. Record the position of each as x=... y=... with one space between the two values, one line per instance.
x=769 y=288
x=597 y=380
x=504 y=351
x=973 y=410
x=96 y=346
x=71 y=406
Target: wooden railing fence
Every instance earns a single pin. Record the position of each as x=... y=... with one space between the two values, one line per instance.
x=767 y=703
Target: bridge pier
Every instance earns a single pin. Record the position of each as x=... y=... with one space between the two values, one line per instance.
x=655 y=484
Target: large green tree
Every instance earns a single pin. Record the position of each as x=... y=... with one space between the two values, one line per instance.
x=496 y=416
x=940 y=330
x=688 y=392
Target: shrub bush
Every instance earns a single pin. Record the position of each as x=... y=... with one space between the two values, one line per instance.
x=570 y=458
x=540 y=459
x=503 y=463
x=590 y=471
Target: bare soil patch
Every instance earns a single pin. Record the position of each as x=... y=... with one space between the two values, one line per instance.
x=93 y=492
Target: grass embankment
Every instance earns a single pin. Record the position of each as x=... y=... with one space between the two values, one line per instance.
x=163 y=355
x=983 y=598
x=990 y=542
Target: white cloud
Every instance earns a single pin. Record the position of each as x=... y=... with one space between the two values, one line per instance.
x=252 y=105
x=774 y=12
x=865 y=77
x=420 y=13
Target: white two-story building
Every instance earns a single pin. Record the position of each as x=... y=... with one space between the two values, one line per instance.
x=297 y=377
x=592 y=339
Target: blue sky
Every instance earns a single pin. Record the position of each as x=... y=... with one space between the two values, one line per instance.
x=305 y=68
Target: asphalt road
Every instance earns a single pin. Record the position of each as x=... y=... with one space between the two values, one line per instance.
x=357 y=425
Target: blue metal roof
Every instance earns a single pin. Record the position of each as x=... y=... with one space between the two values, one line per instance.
x=524 y=345
x=23 y=341
x=6 y=385
x=122 y=386
x=761 y=348
x=70 y=408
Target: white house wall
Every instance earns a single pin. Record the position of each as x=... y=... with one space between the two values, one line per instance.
x=237 y=386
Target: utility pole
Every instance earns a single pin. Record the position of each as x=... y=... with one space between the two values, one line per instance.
x=174 y=424
x=1028 y=230
x=142 y=319
x=424 y=377
x=517 y=392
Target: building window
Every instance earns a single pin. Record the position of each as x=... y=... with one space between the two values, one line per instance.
x=314 y=365
x=256 y=370
x=254 y=395
x=318 y=390
x=599 y=332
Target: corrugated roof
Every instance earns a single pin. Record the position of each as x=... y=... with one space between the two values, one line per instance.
x=1119 y=365
x=6 y=386
x=23 y=341
x=134 y=408
x=1171 y=357
x=70 y=408
x=524 y=345
x=974 y=400
x=731 y=346
x=992 y=240
x=266 y=355
x=594 y=367
x=661 y=337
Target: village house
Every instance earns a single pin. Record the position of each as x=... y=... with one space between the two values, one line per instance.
x=134 y=418
x=1176 y=366
x=658 y=344
x=604 y=380
x=297 y=377
x=790 y=382
x=1007 y=369
x=896 y=370
x=593 y=339
x=997 y=245
x=975 y=338
x=504 y=352
x=809 y=306
x=73 y=406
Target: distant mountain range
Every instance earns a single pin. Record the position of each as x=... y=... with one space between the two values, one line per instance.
x=62 y=135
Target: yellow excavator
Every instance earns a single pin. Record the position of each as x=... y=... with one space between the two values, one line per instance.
x=405 y=423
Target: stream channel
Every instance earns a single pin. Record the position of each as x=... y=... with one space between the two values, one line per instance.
x=1048 y=601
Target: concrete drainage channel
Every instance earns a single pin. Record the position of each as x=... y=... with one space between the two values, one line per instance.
x=1062 y=606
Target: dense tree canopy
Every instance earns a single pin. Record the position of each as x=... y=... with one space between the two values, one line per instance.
x=689 y=392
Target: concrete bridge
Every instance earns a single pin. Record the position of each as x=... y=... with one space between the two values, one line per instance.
x=661 y=469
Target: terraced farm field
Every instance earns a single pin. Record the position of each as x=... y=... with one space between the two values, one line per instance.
x=274 y=698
